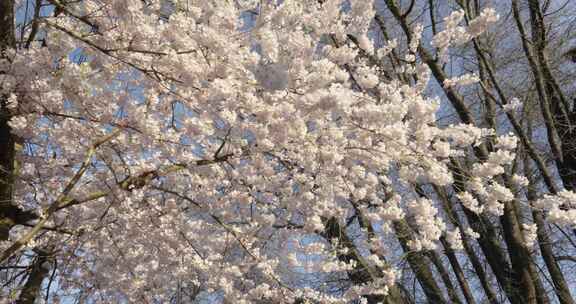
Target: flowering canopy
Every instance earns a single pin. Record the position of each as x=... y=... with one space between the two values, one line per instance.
x=191 y=134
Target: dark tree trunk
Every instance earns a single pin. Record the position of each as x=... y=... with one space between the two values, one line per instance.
x=10 y=215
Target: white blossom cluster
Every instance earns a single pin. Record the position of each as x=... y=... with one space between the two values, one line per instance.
x=455 y=35
x=464 y=80
x=513 y=105
x=561 y=208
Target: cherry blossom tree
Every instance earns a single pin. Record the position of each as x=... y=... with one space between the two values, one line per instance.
x=280 y=152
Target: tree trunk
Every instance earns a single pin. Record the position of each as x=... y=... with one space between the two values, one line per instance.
x=452 y=293
x=10 y=215
x=419 y=265
x=523 y=283
x=545 y=243
x=564 y=119
x=466 y=291
x=362 y=272
x=474 y=259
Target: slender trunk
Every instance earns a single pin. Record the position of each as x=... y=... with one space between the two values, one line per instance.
x=418 y=263
x=564 y=118
x=395 y=295
x=452 y=293
x=474 y=259
x=523 y=282
x=560 y=285
x=567 y=132
x=363 y=272
x=466 y=291
x=545 y=243
x=488 y=240
x=541 y=293
x=549 y=120
x=433 y=256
